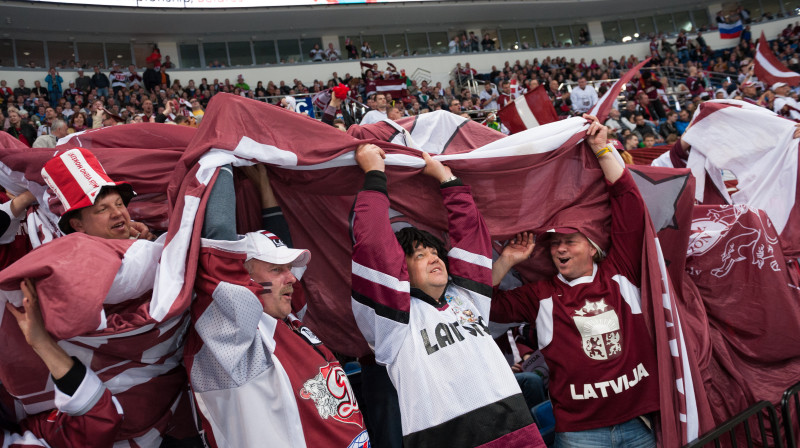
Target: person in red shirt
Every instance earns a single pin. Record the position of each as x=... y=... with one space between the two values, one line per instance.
x=5 y=91
x=589 y=321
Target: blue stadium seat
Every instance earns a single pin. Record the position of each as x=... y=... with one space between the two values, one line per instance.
x=543 y=416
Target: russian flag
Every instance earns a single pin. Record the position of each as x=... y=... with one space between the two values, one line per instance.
x=730 y=30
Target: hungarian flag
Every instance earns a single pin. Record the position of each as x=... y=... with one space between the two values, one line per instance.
x=315 y=177
x=759 y=147
x=769 y=69
x=730 y=30
x=528 y=111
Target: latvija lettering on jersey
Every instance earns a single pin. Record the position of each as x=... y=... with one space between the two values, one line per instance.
x=444 y=334
x=604 y=388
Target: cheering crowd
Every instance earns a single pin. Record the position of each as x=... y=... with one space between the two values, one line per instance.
x=684 y=66
x=436 y=376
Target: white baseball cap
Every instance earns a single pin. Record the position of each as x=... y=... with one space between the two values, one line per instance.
x=266 y=246
x=778 y=85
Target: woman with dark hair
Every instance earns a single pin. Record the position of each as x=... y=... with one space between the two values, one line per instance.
x=260 y=90
x=78 y=122
x=122 y=97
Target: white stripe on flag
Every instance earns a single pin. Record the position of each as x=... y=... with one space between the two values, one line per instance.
x=771 y=69
x=693 y=421
x=513 y=344
x=525 y=113
x=728 y=28
x=390 y=87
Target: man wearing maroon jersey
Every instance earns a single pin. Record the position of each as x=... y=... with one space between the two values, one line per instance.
x=259 y=376
x=589 y=320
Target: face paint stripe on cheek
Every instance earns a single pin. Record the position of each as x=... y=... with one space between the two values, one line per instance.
x=266 y=287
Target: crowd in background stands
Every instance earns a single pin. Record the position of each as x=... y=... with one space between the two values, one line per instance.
x=56 y=107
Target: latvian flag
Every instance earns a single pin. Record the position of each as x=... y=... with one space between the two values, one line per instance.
x=730 y=30
x=535 y=108
x=395 y=87
x=528 y=111
x=769 y=69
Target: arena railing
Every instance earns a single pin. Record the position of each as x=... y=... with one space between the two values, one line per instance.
x=741 y=422
x=791 y=395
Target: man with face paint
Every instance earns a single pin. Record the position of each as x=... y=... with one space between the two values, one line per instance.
x=260 y=376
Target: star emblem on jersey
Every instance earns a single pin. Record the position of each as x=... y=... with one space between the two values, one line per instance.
x=598 y=325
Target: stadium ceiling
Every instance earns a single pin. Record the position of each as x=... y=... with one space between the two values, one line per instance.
x=49 y=21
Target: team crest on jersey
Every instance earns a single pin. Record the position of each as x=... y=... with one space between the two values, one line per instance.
x=598 y=325
x=332 y=395
x=461 y=309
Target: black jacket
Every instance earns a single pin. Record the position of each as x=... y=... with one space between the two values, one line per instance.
x=152 y=79
x=25 y=129
x=100 y=80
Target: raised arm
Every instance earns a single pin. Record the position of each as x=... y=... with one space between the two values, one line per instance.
x=32 y=325
x=517 y=250
x=627 y=206
x=89 y=416
x=329 y=114
x=219 y=222
x=380 y=286
x=470 y=255
x=11 y=214
x=272 y=218
x=596 y=137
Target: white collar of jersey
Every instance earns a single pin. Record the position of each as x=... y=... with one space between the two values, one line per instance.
x=580 y=280
x=266 y=328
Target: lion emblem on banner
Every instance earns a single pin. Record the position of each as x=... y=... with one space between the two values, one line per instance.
x=743 y=239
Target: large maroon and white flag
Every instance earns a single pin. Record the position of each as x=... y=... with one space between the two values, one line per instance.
x=601 y=109
x=759 y=148
x=315 y=176
x=769 y=69
x=535 y=108
x=528 y=111
x=729 y=243
x=394 y=87
x=97 y=295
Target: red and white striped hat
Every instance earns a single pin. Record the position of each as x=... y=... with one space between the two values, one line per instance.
x=77 y=178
